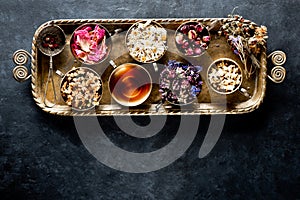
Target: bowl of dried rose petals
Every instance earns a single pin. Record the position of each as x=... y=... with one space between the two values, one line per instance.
x=146 y=41
x=180 y=83
x=90 y=43
x=192 y=39
x=81 y=88
x=224 y=76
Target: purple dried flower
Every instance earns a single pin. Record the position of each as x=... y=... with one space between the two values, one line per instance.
x=178 y=89
x=197 y=51
x=199 y=28
x=192 y=27
x=189 y=52
x=192 y=34
x=184 y=29
x=206 y=38
x=179 y=39
x=185 y=45
x=204 y=45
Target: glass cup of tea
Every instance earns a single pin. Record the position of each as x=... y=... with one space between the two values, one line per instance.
x=130 y=84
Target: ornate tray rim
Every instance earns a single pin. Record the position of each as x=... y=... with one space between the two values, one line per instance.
x=68 y=112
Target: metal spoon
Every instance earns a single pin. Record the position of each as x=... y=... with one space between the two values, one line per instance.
x=60 y=39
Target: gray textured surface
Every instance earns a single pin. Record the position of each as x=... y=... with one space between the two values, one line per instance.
x=41 y=156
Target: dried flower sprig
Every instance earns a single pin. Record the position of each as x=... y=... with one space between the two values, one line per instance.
x=247 y=40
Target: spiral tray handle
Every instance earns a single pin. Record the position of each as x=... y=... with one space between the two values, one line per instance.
x=278 y=72
x=20 y=72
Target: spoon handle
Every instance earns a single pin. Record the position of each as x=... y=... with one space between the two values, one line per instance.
x=50 y=76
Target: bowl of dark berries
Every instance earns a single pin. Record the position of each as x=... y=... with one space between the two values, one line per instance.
x=180 y=83
x=51 y=40
x=192 y=39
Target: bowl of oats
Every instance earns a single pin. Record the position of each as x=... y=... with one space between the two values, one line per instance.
x=224 y=76
x=146 y=41
x=81 y=88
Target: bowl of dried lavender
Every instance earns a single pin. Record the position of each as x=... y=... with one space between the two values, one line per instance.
x=180 y=83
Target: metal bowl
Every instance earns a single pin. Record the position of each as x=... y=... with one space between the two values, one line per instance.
x=228 y=61
x=56 y=32
x=108 y=43
x=64 y=79
x=205 y=33
x=130 y=84
x=169 y=88
x=146 y=23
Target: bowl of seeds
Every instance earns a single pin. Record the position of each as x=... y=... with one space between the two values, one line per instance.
x=224 y=76
x=81 y=88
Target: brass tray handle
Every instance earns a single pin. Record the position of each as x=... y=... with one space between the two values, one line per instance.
x=20 y=72
x=278 y=72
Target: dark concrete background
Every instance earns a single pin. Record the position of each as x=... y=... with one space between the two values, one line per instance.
x=257 y=156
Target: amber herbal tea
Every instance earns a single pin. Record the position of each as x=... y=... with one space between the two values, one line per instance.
x=130 y=84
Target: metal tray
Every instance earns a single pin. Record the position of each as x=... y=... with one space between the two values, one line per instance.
x=209 y=102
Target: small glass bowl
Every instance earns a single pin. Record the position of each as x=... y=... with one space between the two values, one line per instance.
x=141 y=38
x=192 y=38
x=130 y=84
x=85 y=47
x=67 y=89
x=180 y=83
x=224 y=76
